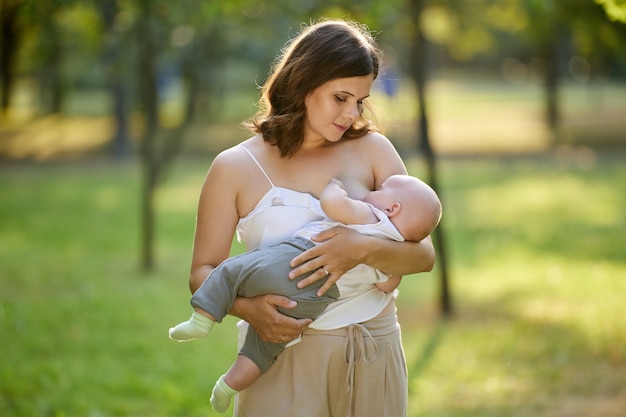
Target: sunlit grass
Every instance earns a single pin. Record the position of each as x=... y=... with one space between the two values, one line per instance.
x=537 y=261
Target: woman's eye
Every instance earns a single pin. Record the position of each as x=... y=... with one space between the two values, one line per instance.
x=340 y=99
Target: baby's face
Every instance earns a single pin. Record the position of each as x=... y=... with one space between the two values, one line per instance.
x=386 y=195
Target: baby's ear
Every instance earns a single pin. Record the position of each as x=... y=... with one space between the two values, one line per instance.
x=394 y=209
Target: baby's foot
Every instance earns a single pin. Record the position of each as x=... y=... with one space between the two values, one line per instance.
x=221 y=395
x=196 y=327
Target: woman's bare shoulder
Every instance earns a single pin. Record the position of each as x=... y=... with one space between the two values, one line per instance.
x=234 y=157
x=372 y=141
x=375 y=144
x=382 y=155
x=377 y=138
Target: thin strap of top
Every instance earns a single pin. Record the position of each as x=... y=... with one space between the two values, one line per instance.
x=259 y=165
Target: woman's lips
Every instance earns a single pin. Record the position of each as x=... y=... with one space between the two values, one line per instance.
x=341 y=128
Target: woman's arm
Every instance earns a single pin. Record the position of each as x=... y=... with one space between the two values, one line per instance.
x=216 y=221
x=341 y=249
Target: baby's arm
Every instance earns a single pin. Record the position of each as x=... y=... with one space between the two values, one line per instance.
x=389 y=285
x=341 y=208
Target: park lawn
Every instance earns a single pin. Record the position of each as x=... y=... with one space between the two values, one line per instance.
x=537 y=265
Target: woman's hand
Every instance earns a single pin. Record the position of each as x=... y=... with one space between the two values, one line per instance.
x=261 y=312
x=337 y=252
x=341 y=249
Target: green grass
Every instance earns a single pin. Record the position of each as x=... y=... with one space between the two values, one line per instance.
x=537 y=254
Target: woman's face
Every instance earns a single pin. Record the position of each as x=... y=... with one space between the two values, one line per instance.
x=333 y=107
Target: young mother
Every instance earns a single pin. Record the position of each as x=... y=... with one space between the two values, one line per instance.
x=310 y=128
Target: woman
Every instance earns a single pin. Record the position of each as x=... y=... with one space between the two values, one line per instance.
x=310 y=129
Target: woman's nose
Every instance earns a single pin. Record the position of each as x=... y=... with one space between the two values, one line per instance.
x=352 y=112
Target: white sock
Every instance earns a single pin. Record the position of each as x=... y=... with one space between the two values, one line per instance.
x=196 y=327
x=221 y=395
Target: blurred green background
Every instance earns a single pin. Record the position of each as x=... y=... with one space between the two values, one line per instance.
x=113 y=110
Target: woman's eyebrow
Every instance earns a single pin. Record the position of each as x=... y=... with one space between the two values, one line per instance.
x=350 y=94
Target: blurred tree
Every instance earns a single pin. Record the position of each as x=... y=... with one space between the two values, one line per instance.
x=114 y=53
x=51 y=53
x=52 y=48
x=543 y=31
x=47 y=29
x=418 y=71
x=10 y=37
x=546 y=32
x=147 y=31
x=598 y=38
x=615 y=9
x=175 y=40
x=559 y=29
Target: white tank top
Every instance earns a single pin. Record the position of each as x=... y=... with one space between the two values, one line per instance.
x=278 y=214
x=276 y=217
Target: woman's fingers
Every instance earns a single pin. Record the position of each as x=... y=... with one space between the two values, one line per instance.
x=312 y=260
x=272 y=325
x=318 y=274
x=327 y=285
x=306 y=262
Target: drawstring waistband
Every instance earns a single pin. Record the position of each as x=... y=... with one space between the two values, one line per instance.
x=359 y=336
x=356 y=350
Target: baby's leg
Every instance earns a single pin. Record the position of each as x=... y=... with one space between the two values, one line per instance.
x=199 y=325
x=240 y=376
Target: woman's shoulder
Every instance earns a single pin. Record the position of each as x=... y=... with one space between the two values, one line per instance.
x=380 y=154
x=231 y=170
x=235 y=155
x=372 y=139
x=373 y=143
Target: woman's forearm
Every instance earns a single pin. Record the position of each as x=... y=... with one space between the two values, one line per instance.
x=241 y=308
x=340 y=249
x=399 y=258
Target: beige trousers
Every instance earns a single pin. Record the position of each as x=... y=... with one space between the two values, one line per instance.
x=355 y=371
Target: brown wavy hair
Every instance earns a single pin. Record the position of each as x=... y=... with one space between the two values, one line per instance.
x=320 y=53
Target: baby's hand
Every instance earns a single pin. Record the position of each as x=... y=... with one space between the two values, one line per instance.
x=333 y=198
x=338 y=183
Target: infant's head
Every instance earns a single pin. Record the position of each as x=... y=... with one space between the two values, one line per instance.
x=411 y=205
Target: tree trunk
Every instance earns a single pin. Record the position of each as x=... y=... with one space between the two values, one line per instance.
x=121 y=146
x=418 y=72
x=113 y=60
x=551 y=83
x=150 y=177
x=148 y=149
x=158 y=148
x=52 y=90
x=9 y=42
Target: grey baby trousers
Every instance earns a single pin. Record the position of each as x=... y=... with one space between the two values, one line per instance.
x=262 y=271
